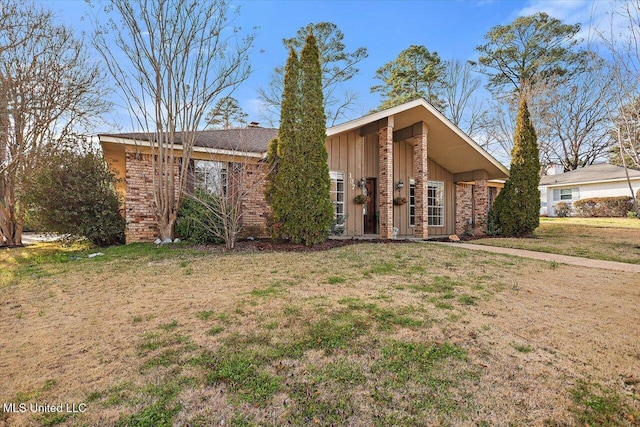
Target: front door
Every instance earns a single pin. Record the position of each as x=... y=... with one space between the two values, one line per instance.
x=371 y=217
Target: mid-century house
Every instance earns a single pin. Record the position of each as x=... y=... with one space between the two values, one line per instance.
x=423 y=176
x=600 y=180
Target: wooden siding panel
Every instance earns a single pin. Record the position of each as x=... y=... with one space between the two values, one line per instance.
x=438 y=173
x=402 y=170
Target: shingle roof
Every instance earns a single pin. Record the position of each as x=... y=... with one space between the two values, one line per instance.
x=252 y=139
x=593 y=173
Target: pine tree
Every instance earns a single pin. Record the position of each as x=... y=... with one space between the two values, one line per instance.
x=298 y=191
x=516 y=210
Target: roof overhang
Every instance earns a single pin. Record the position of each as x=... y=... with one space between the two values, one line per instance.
x=447 y=144
x=600 y=181
x=142 y=143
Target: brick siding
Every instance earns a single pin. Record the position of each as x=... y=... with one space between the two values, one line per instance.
x=471 y=218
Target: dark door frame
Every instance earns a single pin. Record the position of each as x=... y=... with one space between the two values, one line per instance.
x=371 y=217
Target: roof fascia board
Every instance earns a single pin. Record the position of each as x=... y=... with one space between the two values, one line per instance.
x=142 y=143
x=601 y=181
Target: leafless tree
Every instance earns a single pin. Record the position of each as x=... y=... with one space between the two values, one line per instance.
x=49 y=89
x=172 y=59
x=462 y=106
x=622 y=47
x=225 y=191
x=572 y=116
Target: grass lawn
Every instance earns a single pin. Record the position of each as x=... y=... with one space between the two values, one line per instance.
x=611 y=239
x=362 y=335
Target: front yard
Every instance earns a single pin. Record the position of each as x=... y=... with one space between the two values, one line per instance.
x=611 y=239
x=367 y=334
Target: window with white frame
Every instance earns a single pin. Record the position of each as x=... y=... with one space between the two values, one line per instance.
x=435 y=203
x=210 y=176
x=337 y=195
x=565 y=194
x=412 y=202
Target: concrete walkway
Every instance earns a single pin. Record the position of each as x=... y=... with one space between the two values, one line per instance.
x=563 y=259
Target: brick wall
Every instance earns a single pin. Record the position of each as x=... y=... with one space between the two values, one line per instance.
x=471 y=215
x=254 y=206
x=142 y=225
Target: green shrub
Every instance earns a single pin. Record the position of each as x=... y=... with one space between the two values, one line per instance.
x=72 y=192
x=563 y=209
x=196 y=219
x=516 y=210
x=298 y=190
x=604 y=206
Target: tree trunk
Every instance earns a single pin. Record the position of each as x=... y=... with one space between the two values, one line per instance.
x=11 y=223
x=167 y=229
x=634 y=207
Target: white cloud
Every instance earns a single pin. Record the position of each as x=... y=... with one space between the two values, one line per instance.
x=594 y=15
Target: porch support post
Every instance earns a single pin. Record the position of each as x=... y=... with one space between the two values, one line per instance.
x=421 y=177
x=385 y=179
x=481 y=205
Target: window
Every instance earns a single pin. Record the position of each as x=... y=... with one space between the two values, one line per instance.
x=565 y=194
x=435 y=203
x=210 y=176
x=412 y=202
x=337 y=195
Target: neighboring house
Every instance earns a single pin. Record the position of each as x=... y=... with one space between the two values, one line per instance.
x=601 y=180
x=410 y=151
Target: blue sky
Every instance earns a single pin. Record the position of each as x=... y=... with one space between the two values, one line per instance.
x=385 y=28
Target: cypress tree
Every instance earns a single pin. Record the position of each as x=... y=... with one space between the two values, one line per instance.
x=299 y=189
x=516 y=211
x=281 y=149
x=316 y=209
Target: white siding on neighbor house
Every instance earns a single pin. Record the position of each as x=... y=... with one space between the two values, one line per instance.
x=583 y=191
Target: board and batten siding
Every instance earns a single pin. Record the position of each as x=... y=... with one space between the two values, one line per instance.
x=357 y=157
x=403 y=170
x=438 y=173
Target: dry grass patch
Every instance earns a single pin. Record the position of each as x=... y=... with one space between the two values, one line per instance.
x=368 y=334
x=610 y=239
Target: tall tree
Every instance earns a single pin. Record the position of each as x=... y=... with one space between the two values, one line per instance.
x=299 y=191
x=227 y=114
x=462 y=106
x=573 y=117
x=171 y=59
x=529 y=50
x=337 y=66
x=516 y=210
x=281 y=150
x=415 y=73
x=622 y=46
x=49 y=89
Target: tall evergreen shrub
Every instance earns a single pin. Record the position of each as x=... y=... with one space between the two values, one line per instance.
x=299 y=190
x=516 y=211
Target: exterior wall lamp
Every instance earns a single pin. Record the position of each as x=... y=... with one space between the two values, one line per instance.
x=363 y=183
x=399 y=185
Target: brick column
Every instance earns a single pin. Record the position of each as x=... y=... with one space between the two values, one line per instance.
x=421 y=177
x=481 y=195
x=255 y=208
x=464 y=208
x=385 y=181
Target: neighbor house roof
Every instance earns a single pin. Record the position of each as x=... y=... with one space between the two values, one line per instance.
x=251 y=139
x=453 y=149
x=603 y=172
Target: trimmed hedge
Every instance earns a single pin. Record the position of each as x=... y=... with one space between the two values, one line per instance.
x=603 y=206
